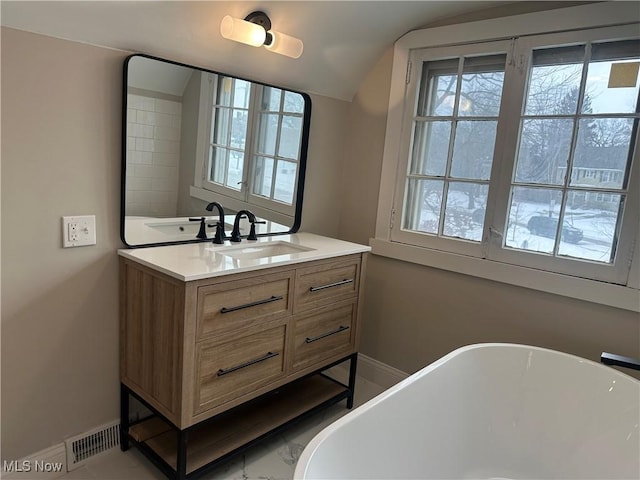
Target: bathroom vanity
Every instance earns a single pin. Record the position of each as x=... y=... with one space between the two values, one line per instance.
x=227 y=344
x=224 y=343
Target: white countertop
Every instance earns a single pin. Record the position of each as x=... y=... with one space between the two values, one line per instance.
x=195 y=261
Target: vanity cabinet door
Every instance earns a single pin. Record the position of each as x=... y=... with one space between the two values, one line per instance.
x=237 y=304
x=234 y=365
x=324 y=333
x=326 y=283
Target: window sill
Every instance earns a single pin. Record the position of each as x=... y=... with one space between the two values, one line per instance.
x=579 y=288
x=235 y=205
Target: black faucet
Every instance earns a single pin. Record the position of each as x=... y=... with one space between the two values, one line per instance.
x=235 y=233
x=220 y=235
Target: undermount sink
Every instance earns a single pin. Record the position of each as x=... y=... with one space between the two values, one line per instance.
x=183 y=227
x=264 y=250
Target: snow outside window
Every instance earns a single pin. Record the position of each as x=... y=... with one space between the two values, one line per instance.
x=524 y=151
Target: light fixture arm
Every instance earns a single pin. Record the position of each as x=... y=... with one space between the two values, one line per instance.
x=259 y=18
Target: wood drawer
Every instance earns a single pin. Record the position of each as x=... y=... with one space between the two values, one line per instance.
x=324 y=333
x=326 y=283
x=227 y=306
x=238 y=365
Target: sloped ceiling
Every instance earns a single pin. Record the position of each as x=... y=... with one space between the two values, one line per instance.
x=342 y=39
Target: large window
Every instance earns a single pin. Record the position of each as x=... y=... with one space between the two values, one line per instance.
x=253 y=142
x=523 y=152
x=577 y=132
x=454 y=134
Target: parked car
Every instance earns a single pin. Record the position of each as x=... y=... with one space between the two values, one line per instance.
x=546 y=227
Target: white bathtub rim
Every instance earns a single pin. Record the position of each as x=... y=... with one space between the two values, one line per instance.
x=303 y=461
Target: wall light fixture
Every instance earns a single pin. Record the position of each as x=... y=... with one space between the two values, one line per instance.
x=255 y=30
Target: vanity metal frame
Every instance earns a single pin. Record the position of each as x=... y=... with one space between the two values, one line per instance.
x=182 y=444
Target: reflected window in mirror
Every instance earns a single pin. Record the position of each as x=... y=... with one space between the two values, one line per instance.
x=279 y=135
x=251 y=150
x=228 y=117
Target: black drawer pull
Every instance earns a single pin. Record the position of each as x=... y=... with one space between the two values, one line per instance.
x=246 y=364
x=329 y=285
x=341 y=328
x=252 y=304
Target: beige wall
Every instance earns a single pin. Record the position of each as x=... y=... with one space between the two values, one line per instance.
x=413 y=314
x=61 y=107
x=322 y=206
x=61 y=140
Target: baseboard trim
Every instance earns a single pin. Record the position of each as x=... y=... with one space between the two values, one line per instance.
x=372 y=370
x=46 y=464
x=379 y=373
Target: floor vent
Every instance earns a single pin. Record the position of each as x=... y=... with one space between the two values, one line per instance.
x=92 y=443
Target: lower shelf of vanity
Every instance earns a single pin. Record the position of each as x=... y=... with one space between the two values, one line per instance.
x=225 y=435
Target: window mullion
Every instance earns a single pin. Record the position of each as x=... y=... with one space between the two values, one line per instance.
x=443 y=206
x=572 y=149
x=452 y=139
x=507 y=134
x=227 y=151
x=276 y=152
x=251 y=144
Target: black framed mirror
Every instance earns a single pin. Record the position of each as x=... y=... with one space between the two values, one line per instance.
x=192 y=136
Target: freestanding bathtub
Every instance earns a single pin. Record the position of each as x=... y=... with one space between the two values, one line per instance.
x=489 y=411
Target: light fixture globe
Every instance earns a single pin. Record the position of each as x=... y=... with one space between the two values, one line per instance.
x=242 y=31
x=283 y=44
x=255 y=30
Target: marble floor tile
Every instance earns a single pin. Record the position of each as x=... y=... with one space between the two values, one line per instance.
x=272 y=459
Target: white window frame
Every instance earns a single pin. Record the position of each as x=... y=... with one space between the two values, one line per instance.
x=590 y=16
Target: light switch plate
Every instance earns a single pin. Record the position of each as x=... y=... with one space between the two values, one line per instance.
x=78 y=231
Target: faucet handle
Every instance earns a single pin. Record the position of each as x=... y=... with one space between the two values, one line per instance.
x=202 y=233
x=219 y=236
x=252 y=231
